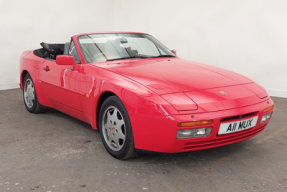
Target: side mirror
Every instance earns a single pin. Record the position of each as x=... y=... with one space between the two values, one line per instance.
x=173 y=51
x=66 y=60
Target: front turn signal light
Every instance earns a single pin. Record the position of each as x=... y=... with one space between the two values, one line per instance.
x=268 y=109
x=195 y=123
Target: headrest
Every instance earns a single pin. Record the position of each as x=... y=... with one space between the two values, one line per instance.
x=66 y=48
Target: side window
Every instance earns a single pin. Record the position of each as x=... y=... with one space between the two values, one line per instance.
x=74 y=53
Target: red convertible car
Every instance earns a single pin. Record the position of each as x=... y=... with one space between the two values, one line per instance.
x=141 y=96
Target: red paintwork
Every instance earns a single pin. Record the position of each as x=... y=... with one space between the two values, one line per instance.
x=158 y=94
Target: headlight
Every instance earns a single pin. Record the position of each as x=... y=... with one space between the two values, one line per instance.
x=193 y=133
x=265 y=117
x=180 y=101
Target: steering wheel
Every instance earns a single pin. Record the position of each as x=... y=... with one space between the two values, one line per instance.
x=46 y=47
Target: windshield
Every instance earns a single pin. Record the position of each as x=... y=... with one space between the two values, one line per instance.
x=109 y=47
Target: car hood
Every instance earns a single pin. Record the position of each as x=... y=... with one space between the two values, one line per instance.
x=165 y=76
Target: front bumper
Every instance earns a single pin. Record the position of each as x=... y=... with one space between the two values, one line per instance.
x=159 y=134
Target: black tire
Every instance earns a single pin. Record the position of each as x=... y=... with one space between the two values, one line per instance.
x=34 y=106
x=127 y=149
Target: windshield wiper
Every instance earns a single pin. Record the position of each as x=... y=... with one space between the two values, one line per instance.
x=122 y=58
x=139 y=57
x=163 y=56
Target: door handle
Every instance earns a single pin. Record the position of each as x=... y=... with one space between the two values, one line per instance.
x=46 y=68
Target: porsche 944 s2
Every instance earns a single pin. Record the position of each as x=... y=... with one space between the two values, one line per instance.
x=141 y=96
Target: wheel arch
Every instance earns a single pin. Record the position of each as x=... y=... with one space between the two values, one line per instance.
x=23 y=74
x=100 y=102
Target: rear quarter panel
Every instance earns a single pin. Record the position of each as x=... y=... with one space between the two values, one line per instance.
x=30 y=63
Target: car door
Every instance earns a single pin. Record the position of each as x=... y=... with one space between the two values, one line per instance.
x=61 y=83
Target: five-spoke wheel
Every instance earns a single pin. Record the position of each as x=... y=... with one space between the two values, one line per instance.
x=113 y=128
x=29 y=93
x=30 y=96
x=116 y=130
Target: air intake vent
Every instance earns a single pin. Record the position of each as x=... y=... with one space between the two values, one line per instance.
x=238 y=117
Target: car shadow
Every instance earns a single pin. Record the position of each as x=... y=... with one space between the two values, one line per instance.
x=54 y=112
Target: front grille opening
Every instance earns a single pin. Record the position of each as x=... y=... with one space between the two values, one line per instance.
x=238 y=117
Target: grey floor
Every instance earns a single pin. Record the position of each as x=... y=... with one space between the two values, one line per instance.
x=55 y=152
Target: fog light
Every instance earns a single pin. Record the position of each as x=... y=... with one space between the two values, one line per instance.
x=192 y=133
x=265 y=117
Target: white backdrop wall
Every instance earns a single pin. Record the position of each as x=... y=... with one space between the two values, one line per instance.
x=246 y=36
x=24 y=24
